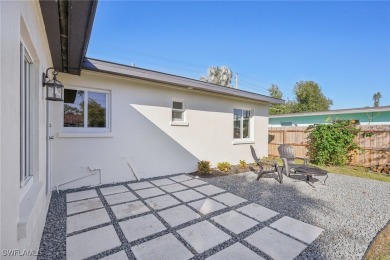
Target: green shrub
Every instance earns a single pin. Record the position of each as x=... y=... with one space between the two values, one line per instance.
x=332 y=144
x=204 y=168
x=243 y=164
x=224 y=166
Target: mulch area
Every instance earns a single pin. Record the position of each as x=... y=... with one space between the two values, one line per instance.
x=380 y=247
x=234 y=170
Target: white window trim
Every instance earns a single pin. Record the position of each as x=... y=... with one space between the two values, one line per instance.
x=183 y=110
x=26 y=131
x=81 y=131
x=179 y=123
x=250 y=139
x=85 y=135
x=243 y=141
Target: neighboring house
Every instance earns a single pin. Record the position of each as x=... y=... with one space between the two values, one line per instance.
x=360 y=116
x=117 y=121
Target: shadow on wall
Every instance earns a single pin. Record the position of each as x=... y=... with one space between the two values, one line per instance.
x=152 y=152
x=208 y=104
x=253 y=152
x=144 y=95
x=271 y=138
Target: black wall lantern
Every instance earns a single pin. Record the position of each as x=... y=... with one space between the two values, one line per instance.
x=53 y=86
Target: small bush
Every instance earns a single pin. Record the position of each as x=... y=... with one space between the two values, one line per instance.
x=243 y=164
x=224 y=166
x=331 y=144
x=204 y=168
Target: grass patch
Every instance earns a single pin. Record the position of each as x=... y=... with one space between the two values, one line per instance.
x=356 y=171
x=380 y=248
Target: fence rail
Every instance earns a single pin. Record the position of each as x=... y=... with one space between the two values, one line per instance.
x=376 y=144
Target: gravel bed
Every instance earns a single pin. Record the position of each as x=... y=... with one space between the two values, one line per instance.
x=351 y=210
x=53 y=238
x=53 y=242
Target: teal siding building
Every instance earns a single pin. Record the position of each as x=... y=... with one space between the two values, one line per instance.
x=362 y=116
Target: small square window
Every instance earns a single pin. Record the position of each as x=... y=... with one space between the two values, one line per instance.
x=176 y=115
x=178 y=111
x=177 y=105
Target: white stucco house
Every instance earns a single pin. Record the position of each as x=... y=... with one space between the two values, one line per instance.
x=117 y=123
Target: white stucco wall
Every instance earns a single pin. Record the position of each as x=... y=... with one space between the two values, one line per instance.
x=143 y=137
x=23 y=209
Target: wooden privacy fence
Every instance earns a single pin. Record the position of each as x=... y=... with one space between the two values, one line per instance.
x=374 y=139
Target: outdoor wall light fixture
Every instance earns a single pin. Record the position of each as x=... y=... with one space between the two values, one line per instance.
x=53 y=86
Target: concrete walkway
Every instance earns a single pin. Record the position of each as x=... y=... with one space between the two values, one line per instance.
x=179 y=217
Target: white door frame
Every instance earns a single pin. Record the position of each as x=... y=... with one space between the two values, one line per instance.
x=48 y=149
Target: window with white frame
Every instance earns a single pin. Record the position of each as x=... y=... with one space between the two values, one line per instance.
x=26 y=116
x=241 y=124
x=178 y=109
x=86 y=110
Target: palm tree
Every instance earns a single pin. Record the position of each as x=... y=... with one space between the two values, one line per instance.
x=219 y=76
x=376 y=97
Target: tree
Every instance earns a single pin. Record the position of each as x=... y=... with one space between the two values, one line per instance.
x=276 y=109
x=219 y=76
x=96 y=114
x=290 y=107
x=275 y=92
x=309 y=98
x=376 y=97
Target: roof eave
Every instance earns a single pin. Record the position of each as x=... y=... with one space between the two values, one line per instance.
x=159 y=77
x=68 y=26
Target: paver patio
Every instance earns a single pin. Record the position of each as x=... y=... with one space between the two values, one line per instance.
x=236 y=251
x=235 y=222
x=120 y=197
x=206 y=206
x=179 y=217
